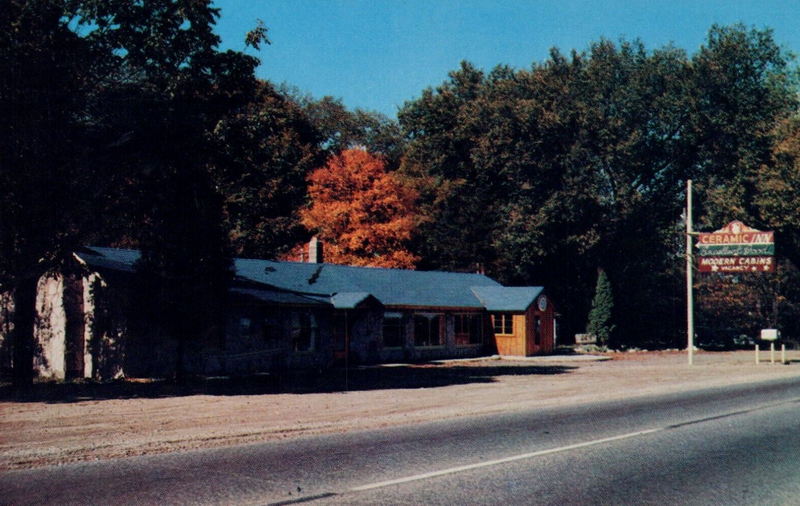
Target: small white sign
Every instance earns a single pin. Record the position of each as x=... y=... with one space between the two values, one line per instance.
x=770 y=334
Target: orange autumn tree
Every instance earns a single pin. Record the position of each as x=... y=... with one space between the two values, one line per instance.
x=363 y=214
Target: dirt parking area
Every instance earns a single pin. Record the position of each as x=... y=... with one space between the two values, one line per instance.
x=55 y=424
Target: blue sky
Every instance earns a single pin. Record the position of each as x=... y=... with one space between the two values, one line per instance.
x=377 y=54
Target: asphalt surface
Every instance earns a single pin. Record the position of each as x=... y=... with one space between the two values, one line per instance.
x=732 y=445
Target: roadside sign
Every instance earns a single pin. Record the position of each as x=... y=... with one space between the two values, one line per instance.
x=736 y=248
x=770 y=334
x=737 y=264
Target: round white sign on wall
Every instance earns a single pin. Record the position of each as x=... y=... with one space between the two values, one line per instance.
x=542 y=303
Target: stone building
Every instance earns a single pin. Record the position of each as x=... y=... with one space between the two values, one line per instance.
x=285 y=315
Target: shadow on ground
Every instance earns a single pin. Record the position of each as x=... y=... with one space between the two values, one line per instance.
x=334 y=380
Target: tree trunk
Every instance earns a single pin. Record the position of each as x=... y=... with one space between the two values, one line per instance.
x=24 y=322
x=180 y=357
x=75 y=312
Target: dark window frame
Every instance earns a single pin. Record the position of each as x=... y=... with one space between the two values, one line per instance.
x=428 y=330
x=468 y=328
x=396 y=335
x=271 y=330
x=340 y=330
x=305 y=332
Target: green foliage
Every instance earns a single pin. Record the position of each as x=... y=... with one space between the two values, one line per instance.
x=168 y=90
x=257 y=36
x=601 y=315
x=777 y=186
x=266 y=151
x=742 y=88
x=343 y=129
x=460 y=197
x=542 y=175
x=125 y=124
x=734 y=305
x=745 y=96
x=43 y=86
x=46 y=73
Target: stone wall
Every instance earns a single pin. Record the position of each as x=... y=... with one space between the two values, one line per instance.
x=6 y=326
x=50 y=334
x=71 y=338
x=366 y=336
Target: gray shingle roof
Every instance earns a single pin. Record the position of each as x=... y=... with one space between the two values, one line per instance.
x=392 y=287
x=347 y=286
x=502 y=298
x=348 y=300
x=279 y=297
x=116 y=259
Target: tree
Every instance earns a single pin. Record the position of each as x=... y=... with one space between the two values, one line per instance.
x=542 y=175
x=777 y=186
x=170 y=89
x=46 y=73
x=363 y=214
x=602 y=314
x=743 y=97
x=344 y=129
x=459 y=197
x=747 y=303
x=742 y=87
x=266 y=151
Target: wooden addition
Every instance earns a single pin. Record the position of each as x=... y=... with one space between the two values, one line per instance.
x=532 y=331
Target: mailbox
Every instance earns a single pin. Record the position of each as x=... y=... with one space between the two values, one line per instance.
x=770 y=334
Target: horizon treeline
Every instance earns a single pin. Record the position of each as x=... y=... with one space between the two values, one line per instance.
x=125 y=125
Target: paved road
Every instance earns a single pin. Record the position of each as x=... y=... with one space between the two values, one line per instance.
x=734 y=445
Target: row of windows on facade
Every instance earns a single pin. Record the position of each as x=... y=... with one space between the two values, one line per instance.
x=428 y=329
x=303 y=334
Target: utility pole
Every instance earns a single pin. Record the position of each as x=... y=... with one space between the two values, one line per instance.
x=689 y=266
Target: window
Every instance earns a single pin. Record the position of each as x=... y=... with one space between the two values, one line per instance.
x=537 y=331
x=304 y=332
x=503 y=323
x=393 y=332
x=468 y=328
x=271 y=330
x=340 y=331
x=245 y=328
x=427 y=331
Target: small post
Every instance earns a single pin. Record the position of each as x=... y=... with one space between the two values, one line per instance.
x=783 y=354
x=771 y=352
x=689 y=289
x=756 y=354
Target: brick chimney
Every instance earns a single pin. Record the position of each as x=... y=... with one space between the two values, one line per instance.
x=315 y=255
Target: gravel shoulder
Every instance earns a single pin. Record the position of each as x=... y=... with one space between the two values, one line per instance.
x=61 y=423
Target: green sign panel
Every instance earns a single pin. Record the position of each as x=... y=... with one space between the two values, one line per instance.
x=735 y=250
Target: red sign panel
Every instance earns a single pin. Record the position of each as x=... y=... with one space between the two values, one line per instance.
x=735 y=232
x=737 y=264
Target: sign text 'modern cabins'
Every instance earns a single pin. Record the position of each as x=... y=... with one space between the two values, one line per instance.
x=736 y=248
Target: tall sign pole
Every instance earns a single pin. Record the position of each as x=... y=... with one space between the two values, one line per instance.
x=689 y=265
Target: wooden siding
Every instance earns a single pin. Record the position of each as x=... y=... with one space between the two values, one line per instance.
x=513 y=344
x=547 y=321
x=522 y=342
